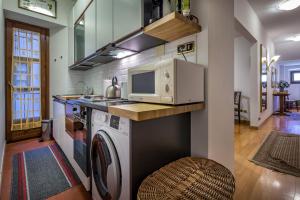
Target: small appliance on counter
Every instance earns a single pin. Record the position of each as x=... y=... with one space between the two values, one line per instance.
x=114 y=90
x=170 y=81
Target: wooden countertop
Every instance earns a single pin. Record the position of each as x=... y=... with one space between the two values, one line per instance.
x=145 y=111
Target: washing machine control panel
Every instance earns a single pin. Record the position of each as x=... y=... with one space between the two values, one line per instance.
x=105 y=119
x=114 y=122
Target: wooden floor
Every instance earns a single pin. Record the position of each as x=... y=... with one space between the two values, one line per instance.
x=255 y=182
x=252 y=181
x=77 y=192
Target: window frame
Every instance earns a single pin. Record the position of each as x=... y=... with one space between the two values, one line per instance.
x=292 y=77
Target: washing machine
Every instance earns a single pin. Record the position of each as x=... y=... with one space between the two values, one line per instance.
x=110 y=157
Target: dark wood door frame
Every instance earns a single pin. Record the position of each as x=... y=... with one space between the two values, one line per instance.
x=9 y=25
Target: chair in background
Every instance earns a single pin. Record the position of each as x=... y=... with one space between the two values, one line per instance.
x=237 y=105
x=290 y=105
x=297 y=102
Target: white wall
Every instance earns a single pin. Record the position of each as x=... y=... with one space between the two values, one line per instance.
x=62 y=81
x=242 y=67
x=2 y=90
x=246 y=16
x=221 y=82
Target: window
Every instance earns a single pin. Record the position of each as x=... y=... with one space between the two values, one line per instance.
x=26 y=84
x=295 y=77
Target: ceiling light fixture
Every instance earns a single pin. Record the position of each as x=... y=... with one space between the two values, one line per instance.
x=275 y=59
x=295 y=38
x=288 y=4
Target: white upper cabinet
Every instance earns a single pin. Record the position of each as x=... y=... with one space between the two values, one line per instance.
x=79 y=8
x=90 y=29
x=127 y=17
x=100 y=22
x=104 y=22
x=85 y=31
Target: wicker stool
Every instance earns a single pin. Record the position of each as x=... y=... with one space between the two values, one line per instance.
x=189 y=178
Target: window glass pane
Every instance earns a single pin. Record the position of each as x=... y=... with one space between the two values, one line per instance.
x=21 y=67
x=296 y=76
x=264 y=78
x=36 y=43
x=36 y=75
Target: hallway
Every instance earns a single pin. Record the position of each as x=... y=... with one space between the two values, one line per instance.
x=253 y=181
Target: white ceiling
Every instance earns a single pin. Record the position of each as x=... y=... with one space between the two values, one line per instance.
x=279 y=25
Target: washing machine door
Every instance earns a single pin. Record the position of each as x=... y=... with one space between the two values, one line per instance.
x=105 y=166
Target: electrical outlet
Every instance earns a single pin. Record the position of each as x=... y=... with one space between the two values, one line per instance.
x=186 y=48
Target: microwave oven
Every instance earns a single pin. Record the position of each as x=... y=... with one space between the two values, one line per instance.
x=170 y=81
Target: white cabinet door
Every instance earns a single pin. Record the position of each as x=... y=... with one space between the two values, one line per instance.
x=127 y=17
x=104 y=22
x=79 y=8
x=58 y=122
x=90 y=29
x=68 y=146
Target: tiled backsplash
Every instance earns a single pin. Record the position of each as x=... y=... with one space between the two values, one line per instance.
x=94 y=78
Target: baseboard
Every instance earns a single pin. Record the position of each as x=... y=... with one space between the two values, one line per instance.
x=244 y=122
x=2 y=164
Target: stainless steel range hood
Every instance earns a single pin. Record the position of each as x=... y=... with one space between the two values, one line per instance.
x=131 y=44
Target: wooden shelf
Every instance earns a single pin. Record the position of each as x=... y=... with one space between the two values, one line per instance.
x=145 y=111
x=172 y=27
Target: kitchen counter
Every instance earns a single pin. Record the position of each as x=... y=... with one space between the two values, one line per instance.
x=145 y=111
x=132 y=110
x=100 y=105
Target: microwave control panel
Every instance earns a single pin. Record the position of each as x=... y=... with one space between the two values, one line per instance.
x=167 y=81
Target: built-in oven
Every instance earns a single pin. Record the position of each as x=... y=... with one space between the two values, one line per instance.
x=78 y=126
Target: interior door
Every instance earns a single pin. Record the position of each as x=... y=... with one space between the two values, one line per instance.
x=27 y=79
x=106 y=169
